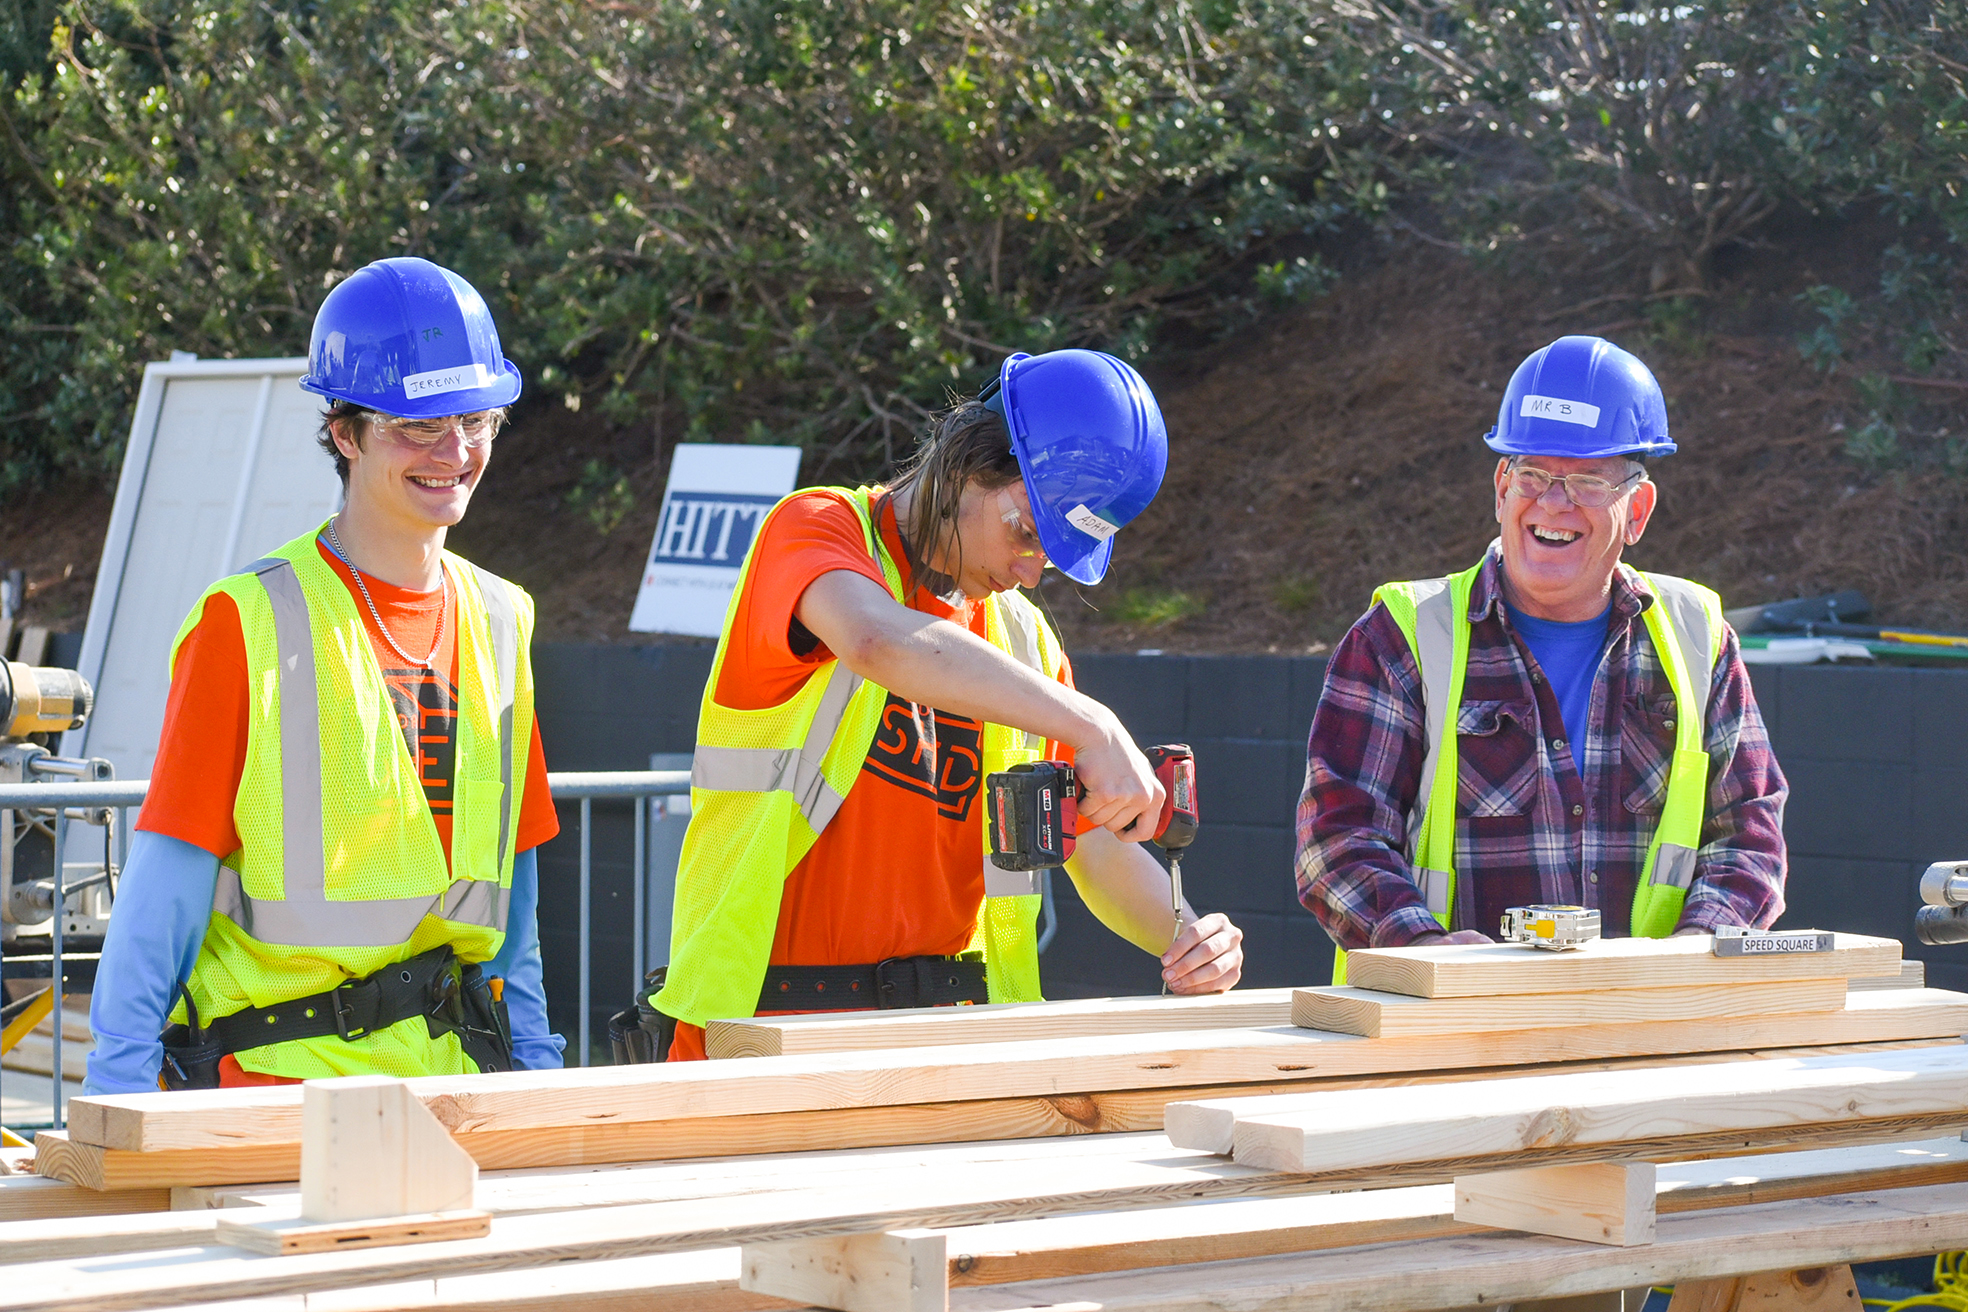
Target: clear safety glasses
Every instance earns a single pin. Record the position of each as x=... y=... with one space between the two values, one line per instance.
x=1024 y=539
x=1587 y=491
x=478 y=428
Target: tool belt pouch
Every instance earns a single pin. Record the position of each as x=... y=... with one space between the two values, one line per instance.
x=640 y=1034
x=479 y=1021
x=189 y=1064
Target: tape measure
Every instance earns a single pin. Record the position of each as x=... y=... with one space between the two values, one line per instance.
x=1554 y=928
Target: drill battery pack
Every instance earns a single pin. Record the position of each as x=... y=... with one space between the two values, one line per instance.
x=1035 y=814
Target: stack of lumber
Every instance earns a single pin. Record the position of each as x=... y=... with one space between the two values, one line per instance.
x=1017 y=1155
x=1047 y=1068
x=1113 y=1221
x=35 y=1053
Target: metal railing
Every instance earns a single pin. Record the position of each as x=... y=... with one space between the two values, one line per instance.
x=76 y=800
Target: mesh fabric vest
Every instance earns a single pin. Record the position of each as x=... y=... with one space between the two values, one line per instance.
x=1433 y=615
x=765 y=784
x=340 y=871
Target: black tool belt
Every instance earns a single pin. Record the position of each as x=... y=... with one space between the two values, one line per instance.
x=897 y=982
x=451 y=999
x=641 y=1033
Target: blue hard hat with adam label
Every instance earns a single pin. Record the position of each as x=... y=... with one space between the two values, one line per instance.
x=410 y=338
x=1584 y=398
x=1092 y=446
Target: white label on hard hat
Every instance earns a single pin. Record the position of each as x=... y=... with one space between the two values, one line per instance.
x=439 y=381
x=1091 y=524
x=1565 y=412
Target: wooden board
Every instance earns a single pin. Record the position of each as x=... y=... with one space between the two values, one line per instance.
x=30 y=1197
x=929 y=1123
x=1358 y=1129
x=1500 y=1268
x=1913 y=975
x=1349 y=1010
x=1495 y=969
x=613 y=1097
x=1814 y=1289
x=776 y=1036
x=298 y=1234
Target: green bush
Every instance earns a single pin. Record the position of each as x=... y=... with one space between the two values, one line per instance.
x=810 y=220
x=802 y=220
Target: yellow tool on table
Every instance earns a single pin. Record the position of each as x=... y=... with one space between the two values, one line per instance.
x=1555 y=928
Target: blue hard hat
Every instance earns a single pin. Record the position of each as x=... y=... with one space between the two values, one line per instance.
x=409 y=338
x=1582 y=397
x=1092 y=445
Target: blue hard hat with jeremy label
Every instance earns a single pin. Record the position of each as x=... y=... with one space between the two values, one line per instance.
x=1584 y=398
x=1091 y=444
x=410 y=338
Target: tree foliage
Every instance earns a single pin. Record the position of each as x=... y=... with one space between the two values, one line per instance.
x=807 y=219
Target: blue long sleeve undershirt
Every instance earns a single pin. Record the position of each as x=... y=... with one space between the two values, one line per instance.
x=163 y=903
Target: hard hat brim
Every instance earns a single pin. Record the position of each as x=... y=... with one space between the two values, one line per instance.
x=1533 y=443
x=1080 y=556
x=504 y=389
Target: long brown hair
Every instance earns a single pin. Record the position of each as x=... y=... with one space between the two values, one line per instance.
x=963 y=445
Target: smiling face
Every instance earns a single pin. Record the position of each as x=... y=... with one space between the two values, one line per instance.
x=999 y=549
x=408 y=487
x=1559 y=558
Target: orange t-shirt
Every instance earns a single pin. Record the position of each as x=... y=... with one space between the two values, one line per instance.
x=201 y=753
x=900 y=870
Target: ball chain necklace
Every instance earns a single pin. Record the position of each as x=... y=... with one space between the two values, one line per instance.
x=428 y=662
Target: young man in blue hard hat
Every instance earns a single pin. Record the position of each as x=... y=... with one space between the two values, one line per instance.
x=1550 y=726
x=878 y=662
x=334 y=873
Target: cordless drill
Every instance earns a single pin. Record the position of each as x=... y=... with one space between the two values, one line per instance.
x=1035 y=813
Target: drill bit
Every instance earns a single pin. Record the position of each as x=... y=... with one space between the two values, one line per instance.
x=1175 y=898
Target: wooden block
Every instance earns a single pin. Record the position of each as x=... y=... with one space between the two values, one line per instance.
x=776 y=1036
x=1813 y=1289
x=901 y=1271
x=1759 y=1100
x=370 y=1149
x=296 y=1234
x=1494 y=969
x=1913 y=975
x=1374 y=1015
x=609 y=1099
x=1598 y=1202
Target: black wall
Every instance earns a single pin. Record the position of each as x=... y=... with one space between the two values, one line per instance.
x=1877 y=761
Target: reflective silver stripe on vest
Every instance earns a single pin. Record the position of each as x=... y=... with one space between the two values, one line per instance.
x=306 y=917
x=1021 y=626
x=1693 y=630
x=1435 y=644
x=794 y=770
x=504 y=621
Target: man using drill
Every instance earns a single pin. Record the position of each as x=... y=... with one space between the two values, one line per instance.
x=1551 y=725
x=334 y=872
x=878 y=662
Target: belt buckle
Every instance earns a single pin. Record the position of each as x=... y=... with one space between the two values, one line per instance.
x=344 y=1012
x=891 y=978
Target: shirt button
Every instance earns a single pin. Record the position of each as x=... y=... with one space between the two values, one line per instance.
x=1577 y=809
x=1667 y=724
x=1592 y=876
x=1557 y=744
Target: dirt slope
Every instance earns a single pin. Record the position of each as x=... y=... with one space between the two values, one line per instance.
x=1314 y=456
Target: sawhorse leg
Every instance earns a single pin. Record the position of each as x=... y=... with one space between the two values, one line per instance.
x=1814 y=1289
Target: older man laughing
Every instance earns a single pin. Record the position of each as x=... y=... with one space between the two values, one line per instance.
x=1550 y=725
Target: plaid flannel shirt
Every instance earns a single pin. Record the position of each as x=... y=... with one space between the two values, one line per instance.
x=1538 y=819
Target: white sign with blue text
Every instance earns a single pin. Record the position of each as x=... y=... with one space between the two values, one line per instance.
x=716 y=499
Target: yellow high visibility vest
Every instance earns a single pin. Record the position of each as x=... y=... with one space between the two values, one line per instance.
x=340 y=871
x=1433 y=614
x=765 y=784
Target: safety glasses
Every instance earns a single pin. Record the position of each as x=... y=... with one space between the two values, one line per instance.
x=1587 y=491
x=478 y=428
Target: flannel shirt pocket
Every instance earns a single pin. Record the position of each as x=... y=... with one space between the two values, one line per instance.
x=1646 y=752
x=1499 y=751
